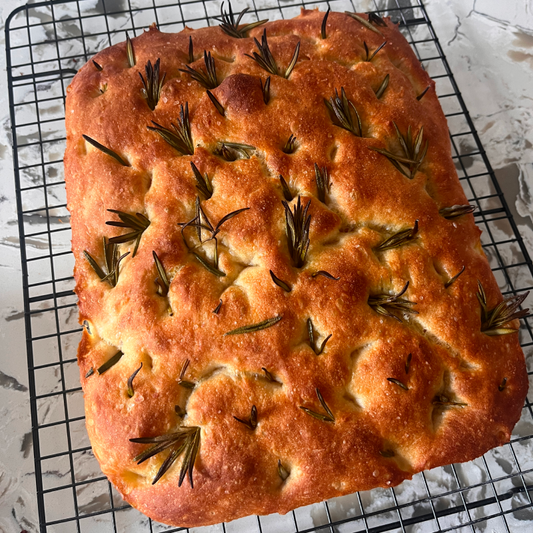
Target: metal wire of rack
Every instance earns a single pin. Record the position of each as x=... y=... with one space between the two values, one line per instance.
x=46 y=43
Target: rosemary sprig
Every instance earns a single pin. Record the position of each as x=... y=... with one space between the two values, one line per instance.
x=283 y=473
x=374 y=18
x=399 y=383
x=369 y=56
x=208 y=266
x=328 y=417
x=268 y=375
x=216 y=103
x=130 y=390
x=449 y=282
x=97 y=65
x=383 y=87
x=89 y=373
x=456 y=211
x=203 y=183
x=413 y=153
x=162 y=281
x=324 y=23
x=137 y=223
x=106 y=150
x=208 y=78
x=364 y=22
x=421 y=95
x=191 y=51
x=325 y=274
x=178 y=409
x=231 y=151
x=103 y=88
x=385 y=304
x=493 y=320
x=386 y=453
x=340 y=110
x=180 y=139
x=443 y=401
x=112 y=361
x=231 y=26
x=153 y=84
x=251 y=423
x=312 y=341
x=268 y=323
x=217 y=308
x=322 y=182
x=183 y=382
x=297 y=226
x=265 y=89
x=266 y=60
x=280 y=283
x=399 y=239
x=130 y=54
x=185 y=440
x=285 y=189
x=112 y=261
x=290 y=145
x=408 y=363
x=502 y=385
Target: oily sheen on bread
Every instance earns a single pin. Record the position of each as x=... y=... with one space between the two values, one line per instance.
x=343 y=340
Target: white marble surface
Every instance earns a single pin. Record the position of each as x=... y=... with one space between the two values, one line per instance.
x=489 y=45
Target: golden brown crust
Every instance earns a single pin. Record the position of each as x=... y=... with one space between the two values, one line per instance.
x=236 y=470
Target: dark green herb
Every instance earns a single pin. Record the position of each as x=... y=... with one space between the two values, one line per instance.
x=506 y=311
x=456 y=211
x=217 y=308
x=364 y=22
x=285 y=188
x=179 y=411
x=214 y=270
x=266 y=60
x=444 y=401
x=283 y=473
x=184 y=440
x=180 y=139
x=413 y=153
x=324 y=23
x=290 y=145
x=268 y=375
x=297 y=226
x=325 y=274
x=153 y=84
x=191 y=51
x=399 y=383
x=216 y=103
x=341 y=111
x=130 y=390
x=106 y=150
x=266 y=90
x=232 y=151
x=385 y=304
x=182 y=382
x=399 y=239
x=328 y=417
x=280 y=283
x=112 y=261
x=502 y=385
x=369 y=56
x=322 y=182
x=374 y=18
x=203 y=184
x=97 y=66
x=382 y=87
x=408 y=363
x=421 y=95
x=449 y=282
x=231 y=26
x=162 y=281
x=112 y=361
x=251 y=423
x=268 y=323
x=208 y=78
x=137 y=223
x=387 y=453
x=312 y=341
x=129 y=51
x=90 y=373
x=103 y=88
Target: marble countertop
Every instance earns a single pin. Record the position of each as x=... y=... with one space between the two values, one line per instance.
x=489 y=45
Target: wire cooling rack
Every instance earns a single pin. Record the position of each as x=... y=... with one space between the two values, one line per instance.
x=46 y=43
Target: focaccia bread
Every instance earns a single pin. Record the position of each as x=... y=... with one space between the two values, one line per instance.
x=305 y=309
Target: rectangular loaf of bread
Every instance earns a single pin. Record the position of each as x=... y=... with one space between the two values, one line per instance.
x=283 y=288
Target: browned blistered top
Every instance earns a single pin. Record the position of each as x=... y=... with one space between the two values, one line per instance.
x=382 y=432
